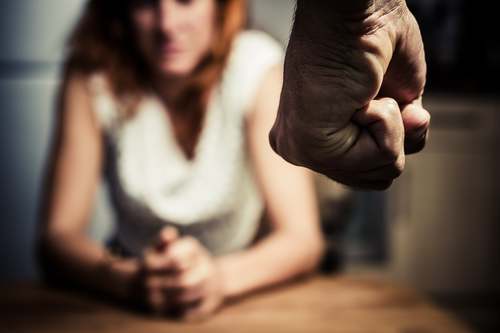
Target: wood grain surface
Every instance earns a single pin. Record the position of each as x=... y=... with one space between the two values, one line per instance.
x=320 y=304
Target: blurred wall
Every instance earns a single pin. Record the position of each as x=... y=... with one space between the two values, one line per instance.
x=272 y=16
x=32 y=35
x=444 y=209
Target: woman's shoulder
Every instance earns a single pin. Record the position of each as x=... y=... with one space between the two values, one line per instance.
x=253 y=55
x=101 y=98
x=97 y=83
x=253 y=46
x=256 y=37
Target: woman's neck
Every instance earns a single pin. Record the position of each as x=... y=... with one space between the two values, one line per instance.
x=169 y=89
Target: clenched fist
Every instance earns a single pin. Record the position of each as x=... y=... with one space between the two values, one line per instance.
x=351 y=103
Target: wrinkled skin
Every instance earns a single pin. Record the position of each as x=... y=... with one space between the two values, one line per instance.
x=351 y=105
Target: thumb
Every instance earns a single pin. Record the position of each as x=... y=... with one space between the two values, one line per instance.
x=166 y=237
x=416 y=122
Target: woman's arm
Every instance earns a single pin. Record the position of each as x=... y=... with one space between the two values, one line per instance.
x=295 y=244
x=66 y=252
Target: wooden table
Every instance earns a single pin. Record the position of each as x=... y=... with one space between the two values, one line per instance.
x=321 y=304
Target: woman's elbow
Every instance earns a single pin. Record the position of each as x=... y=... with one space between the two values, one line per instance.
x=313 y=252
x=45 y=259
x=49 y=252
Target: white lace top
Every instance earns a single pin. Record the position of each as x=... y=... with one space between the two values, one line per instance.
x=212 y=197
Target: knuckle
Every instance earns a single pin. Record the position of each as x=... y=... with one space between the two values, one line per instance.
x=389 y=113
x=397 y=168
x=177 y=263
x=390 y=153
x=273 y=139
x=399 y=165
x=392 y=108
x=190 y=249
x=191 y=241
x=186 y=282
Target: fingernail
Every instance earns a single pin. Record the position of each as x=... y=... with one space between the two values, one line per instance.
x=420 y=131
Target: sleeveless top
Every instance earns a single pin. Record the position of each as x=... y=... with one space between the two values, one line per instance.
x=214 y=196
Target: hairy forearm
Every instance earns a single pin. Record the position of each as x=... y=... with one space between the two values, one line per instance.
x=75 y=259
x=277 y=258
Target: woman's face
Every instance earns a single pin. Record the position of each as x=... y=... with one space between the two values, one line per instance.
x=174 y=35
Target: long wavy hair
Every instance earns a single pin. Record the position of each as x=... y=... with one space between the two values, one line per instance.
x=101 y=41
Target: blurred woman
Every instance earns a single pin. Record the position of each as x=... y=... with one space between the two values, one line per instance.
x=173 y=102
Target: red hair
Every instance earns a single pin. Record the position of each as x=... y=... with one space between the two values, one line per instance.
x=100 y=42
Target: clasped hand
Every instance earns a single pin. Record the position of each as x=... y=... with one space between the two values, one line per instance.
x=180 y=278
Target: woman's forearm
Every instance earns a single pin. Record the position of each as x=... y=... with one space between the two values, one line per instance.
x=277 y=258
x=79 y=261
